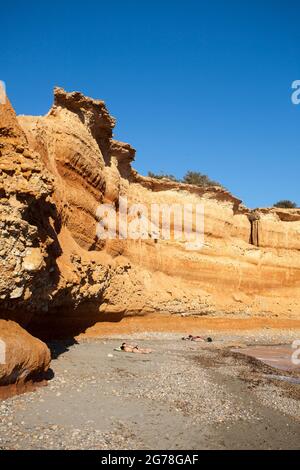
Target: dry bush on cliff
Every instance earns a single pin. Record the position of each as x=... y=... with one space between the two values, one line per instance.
x=199 y=179
x=161 y=176
x=285 y=204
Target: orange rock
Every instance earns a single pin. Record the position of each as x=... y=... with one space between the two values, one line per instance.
x=23 y=358
x=51 y=260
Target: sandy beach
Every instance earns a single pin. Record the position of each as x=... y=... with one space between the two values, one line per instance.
x=184 y=395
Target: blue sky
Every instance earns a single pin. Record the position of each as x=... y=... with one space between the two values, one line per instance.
x=194 y=85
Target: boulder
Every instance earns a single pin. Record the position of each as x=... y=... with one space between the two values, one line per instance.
x=24 y=359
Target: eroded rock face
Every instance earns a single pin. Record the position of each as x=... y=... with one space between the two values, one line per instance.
x=24 y=359
x=25 y=187
x=56 y=169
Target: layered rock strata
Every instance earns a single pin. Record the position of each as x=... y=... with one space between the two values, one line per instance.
x=55 y=171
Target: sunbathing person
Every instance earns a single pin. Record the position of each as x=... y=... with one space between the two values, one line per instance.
x=193 y=338
x=197 y=338
x=134 y=349
x=126 y=347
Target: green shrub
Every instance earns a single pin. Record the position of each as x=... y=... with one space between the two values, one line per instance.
x=191 y=177
x=198 y=179
x=285 y=204
x=161 y=176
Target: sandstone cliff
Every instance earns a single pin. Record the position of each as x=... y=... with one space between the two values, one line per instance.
x=56 y=169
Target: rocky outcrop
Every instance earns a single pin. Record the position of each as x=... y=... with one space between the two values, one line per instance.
x=25 y=187
x=24 y=360
x=56 y=169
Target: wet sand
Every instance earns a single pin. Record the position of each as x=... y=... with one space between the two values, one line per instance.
x=277 y=356
x=182 y=396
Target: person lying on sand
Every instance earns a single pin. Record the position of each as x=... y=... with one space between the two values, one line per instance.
x=196 y=338
x=134 y=349
x=193 y=338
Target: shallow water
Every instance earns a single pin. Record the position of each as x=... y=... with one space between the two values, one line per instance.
x=280 y=357
x=284 y=378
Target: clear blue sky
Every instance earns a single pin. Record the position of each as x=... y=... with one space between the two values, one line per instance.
x=202 y=85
